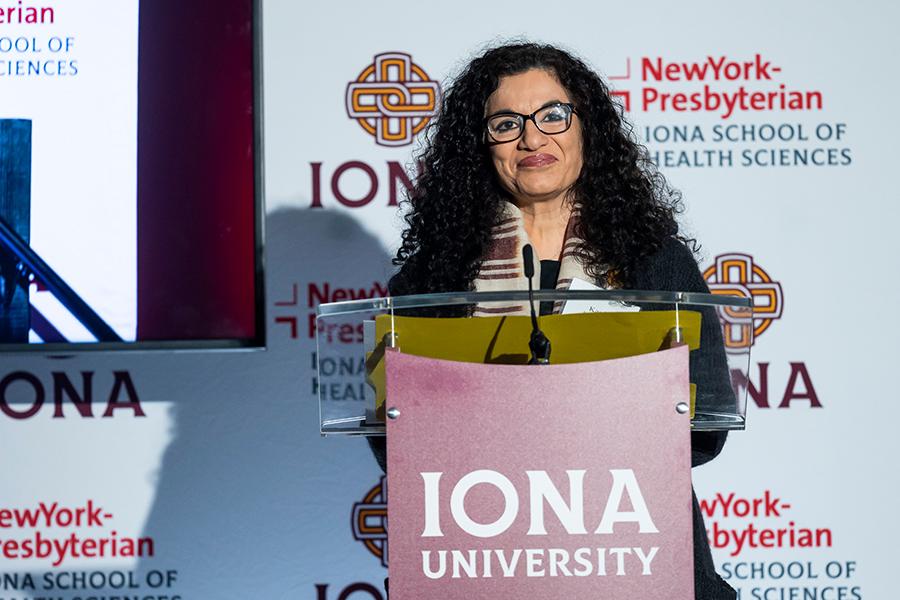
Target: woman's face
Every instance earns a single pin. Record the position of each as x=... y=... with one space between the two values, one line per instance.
x=537 y=167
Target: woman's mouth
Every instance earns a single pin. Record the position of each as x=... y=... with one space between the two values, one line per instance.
x=537 y=160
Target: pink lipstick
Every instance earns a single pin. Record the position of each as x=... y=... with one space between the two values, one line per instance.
x=537 y=160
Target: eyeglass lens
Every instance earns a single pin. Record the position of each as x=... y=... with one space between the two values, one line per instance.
x=552 y=119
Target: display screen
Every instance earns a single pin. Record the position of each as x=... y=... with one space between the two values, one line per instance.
x=129 y=196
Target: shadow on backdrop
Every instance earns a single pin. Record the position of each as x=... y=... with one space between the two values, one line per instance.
x=248 y=493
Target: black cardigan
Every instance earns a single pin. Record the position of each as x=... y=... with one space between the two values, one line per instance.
x=671 y=268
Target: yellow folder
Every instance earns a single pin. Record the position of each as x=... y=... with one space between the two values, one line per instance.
x=575 y=338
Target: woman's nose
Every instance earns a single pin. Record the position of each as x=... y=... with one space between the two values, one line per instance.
x=532 y=138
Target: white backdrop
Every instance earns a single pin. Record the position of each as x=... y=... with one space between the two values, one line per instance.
x=225 y=472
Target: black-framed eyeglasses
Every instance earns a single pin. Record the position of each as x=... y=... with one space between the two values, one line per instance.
x=550 y=119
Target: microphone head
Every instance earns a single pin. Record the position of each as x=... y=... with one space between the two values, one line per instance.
x=528 y=258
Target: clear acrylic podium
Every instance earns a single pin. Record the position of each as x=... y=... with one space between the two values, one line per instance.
x=618 y=323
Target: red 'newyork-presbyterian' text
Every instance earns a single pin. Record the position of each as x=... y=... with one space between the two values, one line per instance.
x=57 y=548
x=20 y=14
x=760 y=93
x=757 y=535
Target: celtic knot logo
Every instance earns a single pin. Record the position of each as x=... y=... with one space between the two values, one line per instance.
x=736 y=274
x=370 y=521
x=393 y=99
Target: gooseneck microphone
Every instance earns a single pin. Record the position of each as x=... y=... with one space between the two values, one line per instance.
x=539 y=344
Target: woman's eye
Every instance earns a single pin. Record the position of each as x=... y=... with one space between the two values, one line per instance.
x=554 y=115
x=506 y=125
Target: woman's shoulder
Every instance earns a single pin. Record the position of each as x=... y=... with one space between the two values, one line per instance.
x=672 y=267
x=398 y=285
x=673 y=251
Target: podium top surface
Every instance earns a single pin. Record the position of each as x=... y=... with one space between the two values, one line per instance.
x=469 y=298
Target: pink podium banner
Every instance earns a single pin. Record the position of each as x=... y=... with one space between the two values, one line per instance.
x=562 y=481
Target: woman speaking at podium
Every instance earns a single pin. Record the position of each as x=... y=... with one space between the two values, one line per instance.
x=529 y=141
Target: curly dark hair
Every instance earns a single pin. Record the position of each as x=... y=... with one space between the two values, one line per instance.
x=627 y=208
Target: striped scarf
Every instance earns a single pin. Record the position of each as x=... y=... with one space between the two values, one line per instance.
x=503 y=270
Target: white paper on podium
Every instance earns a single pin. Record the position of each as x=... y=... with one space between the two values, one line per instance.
x=585 y=306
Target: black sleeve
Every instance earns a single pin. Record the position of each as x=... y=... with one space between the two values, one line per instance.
x=379 y=449
x=673 y=268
